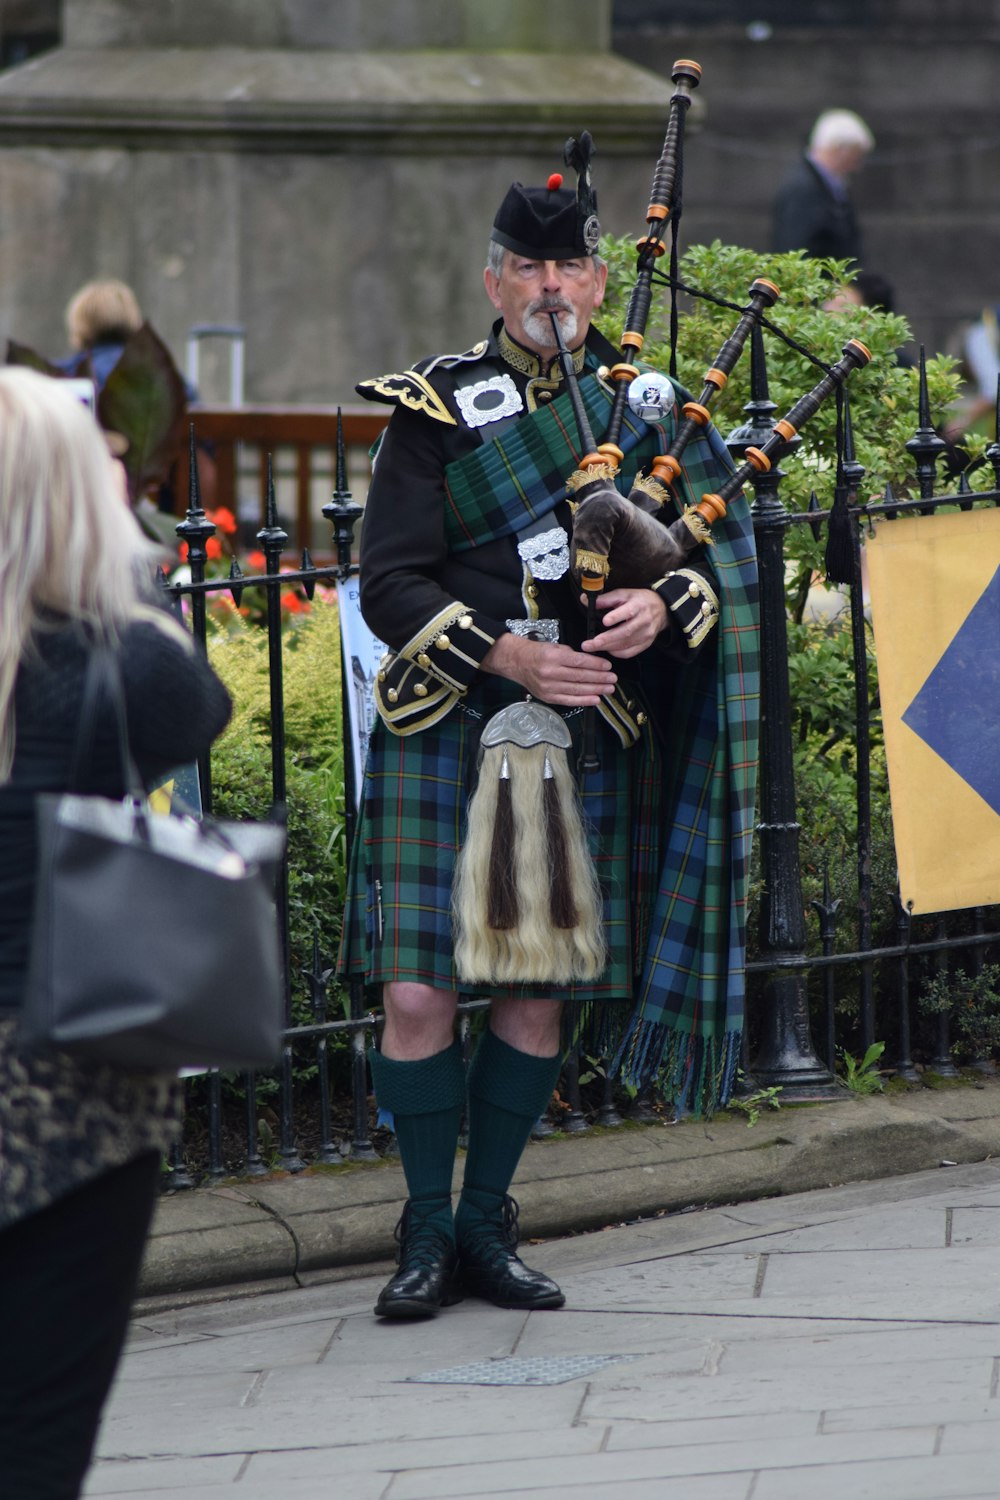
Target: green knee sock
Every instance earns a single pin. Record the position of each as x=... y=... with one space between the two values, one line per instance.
x=508 y=1090
x=426 y=1099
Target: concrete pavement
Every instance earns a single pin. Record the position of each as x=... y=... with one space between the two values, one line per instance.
x=838 y=1342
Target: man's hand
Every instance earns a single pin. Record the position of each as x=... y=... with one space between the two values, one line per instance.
x=553 y=674
x=632 y=619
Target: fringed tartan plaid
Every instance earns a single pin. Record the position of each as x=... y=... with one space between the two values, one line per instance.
x=688 y=1020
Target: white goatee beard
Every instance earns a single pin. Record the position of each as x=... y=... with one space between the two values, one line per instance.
x=538 y=327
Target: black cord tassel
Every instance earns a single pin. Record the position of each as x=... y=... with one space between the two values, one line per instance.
x=502 y=910
x=561 y=903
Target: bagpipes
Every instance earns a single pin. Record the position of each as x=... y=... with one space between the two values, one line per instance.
x=526 y=903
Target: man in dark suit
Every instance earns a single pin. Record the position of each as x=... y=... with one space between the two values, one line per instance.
x=813 y=210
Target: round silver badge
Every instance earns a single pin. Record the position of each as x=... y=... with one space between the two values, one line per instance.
x=651 y=397
x=592 y=233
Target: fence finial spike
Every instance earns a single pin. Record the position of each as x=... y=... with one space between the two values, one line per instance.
x=924 y=403
x=194 y=481
x=814 y=509
x=272 y=509
x=340 y=481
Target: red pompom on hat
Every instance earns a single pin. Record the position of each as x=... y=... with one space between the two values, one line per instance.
x=554 y=182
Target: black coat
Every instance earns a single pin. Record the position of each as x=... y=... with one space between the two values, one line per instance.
x=808 y=216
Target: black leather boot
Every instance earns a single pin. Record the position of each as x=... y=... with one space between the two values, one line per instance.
x=489 y=1268
x=425 y=1279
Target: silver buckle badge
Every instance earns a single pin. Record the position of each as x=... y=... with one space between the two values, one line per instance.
x=546 y=553
x=489 y=400
x=535 y=630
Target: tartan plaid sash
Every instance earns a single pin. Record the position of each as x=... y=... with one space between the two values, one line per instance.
x=504 y=485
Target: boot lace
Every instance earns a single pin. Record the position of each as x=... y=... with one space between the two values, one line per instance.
x=499 y=1235
x=419 y=1239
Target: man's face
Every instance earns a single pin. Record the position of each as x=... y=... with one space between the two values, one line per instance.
x=527 y=290
x=847 y=159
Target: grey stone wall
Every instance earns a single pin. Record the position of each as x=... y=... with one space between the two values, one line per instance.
x=335 y=201
x=924 y=76
x=347 y=25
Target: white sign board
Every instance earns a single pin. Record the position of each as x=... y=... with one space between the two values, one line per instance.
x=361 y=652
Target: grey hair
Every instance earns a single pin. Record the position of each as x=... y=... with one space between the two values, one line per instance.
x=495 y=256
x=68 y=542
x=840 y=127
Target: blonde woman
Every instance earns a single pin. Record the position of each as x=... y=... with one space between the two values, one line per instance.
x=100 y=318
x=80 y=1145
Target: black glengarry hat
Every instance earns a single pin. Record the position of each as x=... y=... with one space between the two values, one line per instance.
x=552 y=222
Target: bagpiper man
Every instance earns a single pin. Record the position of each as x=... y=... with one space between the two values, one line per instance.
x=464 y=573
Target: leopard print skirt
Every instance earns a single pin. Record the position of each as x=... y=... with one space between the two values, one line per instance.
x=64 y=1122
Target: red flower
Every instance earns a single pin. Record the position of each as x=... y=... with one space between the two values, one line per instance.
x=291 y=601
x=223 y=518
x=257 y=562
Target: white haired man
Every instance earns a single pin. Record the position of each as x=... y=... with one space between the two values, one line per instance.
x=813 y=209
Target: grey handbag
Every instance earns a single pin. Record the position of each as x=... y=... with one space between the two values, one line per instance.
x=155 y=941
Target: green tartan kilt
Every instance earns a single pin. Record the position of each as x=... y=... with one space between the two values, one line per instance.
x=397 y=917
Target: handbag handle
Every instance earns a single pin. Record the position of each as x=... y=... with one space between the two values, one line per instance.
x=104 y=676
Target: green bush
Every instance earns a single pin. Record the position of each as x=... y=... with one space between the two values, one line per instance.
x=241 y=771
x=972 y=1002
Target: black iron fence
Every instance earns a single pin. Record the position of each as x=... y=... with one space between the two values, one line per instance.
x=800 y=986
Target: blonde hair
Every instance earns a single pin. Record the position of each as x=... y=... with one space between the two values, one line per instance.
x=102 y=312
x=68 y=543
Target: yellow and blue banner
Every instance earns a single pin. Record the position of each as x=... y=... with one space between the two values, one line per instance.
x=935 y=599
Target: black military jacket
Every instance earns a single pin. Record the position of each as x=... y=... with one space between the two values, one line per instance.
x=440 y=611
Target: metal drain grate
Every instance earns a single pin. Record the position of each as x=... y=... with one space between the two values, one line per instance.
x=542 y=1370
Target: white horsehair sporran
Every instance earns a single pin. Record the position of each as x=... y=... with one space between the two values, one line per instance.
x=526 y=902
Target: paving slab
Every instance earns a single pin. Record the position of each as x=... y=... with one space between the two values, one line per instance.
x=842 y=1341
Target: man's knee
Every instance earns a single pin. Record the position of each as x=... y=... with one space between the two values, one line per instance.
x=532 y=1026
x=419 y=1019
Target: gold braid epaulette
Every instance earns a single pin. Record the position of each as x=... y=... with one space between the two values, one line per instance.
x=408 y=389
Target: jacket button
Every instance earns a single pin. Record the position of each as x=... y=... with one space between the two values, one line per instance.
x=443 y=643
